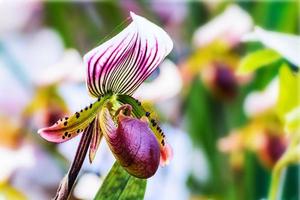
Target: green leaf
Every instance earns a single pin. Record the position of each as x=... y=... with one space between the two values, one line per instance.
x=289 y=88
x=256 y=60
x=9 y=192
x=119 y=185
x=292 y=121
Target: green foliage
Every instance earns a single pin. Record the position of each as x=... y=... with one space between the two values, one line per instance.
x=119 y=185
x=206 y=125
x=292 y=121
x=291 y=189
x=83 y=25
x=273 y=15
x=289 y=87
x=257 y=59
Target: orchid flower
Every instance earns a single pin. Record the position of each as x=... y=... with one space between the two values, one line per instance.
x=224 y=27
x=115 y=70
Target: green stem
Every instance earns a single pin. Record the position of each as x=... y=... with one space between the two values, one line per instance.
x=289 y=157
x=276 y=181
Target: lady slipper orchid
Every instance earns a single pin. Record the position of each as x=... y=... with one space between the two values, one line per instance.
x=115 y=70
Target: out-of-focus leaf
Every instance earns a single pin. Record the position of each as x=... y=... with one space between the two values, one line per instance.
x=289 y=91
x=119 y=185
x=292 y=121
x=256 y=177
x=91 y=21
x=256 y=60
x=291 y=184
x=206 y=125
x=8 y=192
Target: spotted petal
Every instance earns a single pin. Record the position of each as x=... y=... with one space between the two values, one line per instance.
x=122 y=63
x=69 y=127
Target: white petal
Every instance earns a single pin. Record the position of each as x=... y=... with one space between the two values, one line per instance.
x=285 y=44
x=68 y=68
x=122 y=63
x=167 y=85
x=228 y=26
x=259 y=102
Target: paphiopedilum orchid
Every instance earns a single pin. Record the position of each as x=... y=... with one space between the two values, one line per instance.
x=115 y=70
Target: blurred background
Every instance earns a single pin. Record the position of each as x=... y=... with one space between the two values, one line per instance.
x=225 y=134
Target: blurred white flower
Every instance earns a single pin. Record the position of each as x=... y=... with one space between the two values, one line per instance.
x=31 y=180
x=16 y=14
x=81 y=191
x=68 y=68
x=30 y=53
x=285 y=44
x=13 y=95
x=170 y=182
x=259 y=102
x=13 y=159
x=34 y=59
x=167 y=85
x=229 y=26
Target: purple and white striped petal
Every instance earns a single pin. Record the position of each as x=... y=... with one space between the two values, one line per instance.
x=121 y=64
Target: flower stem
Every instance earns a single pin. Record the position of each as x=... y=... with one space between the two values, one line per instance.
x=68 y=181
x=289 y=157
x=277 y=180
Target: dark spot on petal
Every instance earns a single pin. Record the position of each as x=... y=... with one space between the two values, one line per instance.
x=78 y=130
x=66 y=133
x=81 y=110
x=153 y=122
x=91 y=105
x=66 y=118
x=98 y=99
x=63 y=137
x=147 y=114
x=69 y=135
x=77 y=115
x=137 y=101
x=163 y=142
x=86 y=108
x=65 y=123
